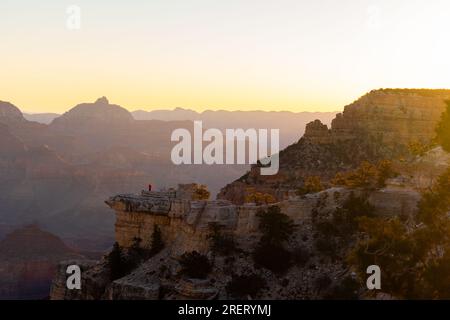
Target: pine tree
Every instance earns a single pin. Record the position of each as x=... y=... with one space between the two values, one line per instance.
x=157 y=244
x=115 y=262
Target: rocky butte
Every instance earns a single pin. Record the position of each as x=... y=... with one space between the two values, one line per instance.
x=380 y=125
x=396 y=116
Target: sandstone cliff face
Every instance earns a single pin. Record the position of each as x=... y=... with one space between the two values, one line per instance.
x=185 y=227
x=318 y=132
x=389 y=116
x=395 y=116
x=183 y=222
x=379 y=125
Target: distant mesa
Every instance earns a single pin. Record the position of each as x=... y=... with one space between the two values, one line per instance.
x=101 y=111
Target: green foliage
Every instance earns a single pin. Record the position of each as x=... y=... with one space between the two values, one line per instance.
x=390 y=247
x=276 y=229
x=260 y=198
x=275 y=226
x=415 y=258
x=384 y=171
x=443 y=129
x=122 y=261
x=135 y=248
x=345 y=218
x=157 y=243
x=367 y=175
x=339 y=230
x=336 y=232
x=419 y=149
x=195 y=265
x=312 y=184
x=363 y=177
x=221 y=244
x=116 y=263
x=242 y=286
x=437 y=277
x=435 y=204
x=201 y=193
x=135 y=254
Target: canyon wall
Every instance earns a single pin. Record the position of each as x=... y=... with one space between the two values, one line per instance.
x=375 y=127
x=380 y=125
x=186 y=226
x=392 y=115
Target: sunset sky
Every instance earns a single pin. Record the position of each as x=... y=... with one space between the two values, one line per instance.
x=298 y=55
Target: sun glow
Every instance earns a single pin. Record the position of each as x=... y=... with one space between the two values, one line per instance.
x=270 y=55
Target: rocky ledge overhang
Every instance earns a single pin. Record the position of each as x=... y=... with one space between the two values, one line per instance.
x=157 y=203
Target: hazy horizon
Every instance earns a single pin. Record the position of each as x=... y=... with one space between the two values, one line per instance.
x=168 y=109
x=294 y=55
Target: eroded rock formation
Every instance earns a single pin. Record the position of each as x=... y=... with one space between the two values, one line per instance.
x=185 y=226
x=379 y=125
x=394 y=116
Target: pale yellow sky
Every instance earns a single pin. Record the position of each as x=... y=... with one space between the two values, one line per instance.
x=238 y=54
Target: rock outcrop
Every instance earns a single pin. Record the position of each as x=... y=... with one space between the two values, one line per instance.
x=392 y=115
x=185 y=226
x=317 y=132
x=380 y=125
x=183 y=222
